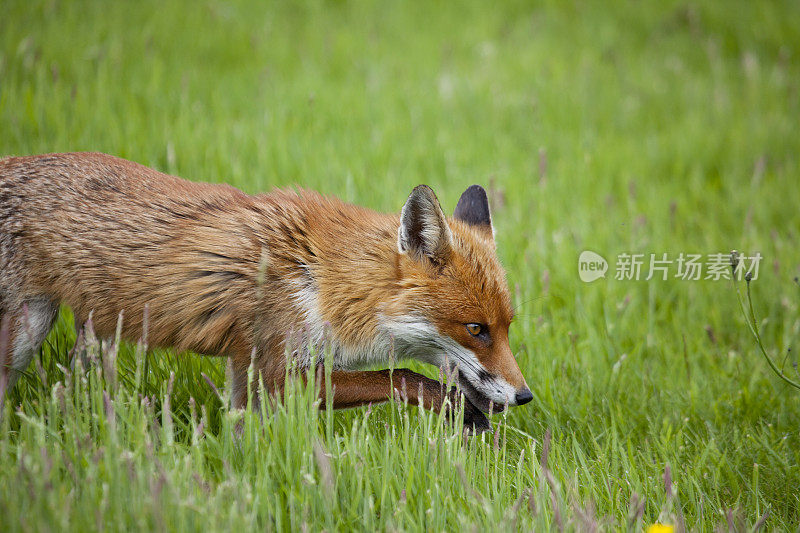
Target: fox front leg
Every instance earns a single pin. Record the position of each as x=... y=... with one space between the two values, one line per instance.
x=351 y=389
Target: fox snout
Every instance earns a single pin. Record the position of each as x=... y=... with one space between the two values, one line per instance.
x=523 y=394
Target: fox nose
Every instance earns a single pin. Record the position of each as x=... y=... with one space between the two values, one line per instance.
x=523 y=396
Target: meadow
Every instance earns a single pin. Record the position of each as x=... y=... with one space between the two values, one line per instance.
x=616 y=127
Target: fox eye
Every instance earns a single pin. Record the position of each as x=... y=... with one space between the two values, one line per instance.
x=476 y=330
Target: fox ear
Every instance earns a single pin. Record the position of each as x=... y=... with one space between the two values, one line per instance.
x=473 y=208
x=424 y=233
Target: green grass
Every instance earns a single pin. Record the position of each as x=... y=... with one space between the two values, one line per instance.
x=616 y=127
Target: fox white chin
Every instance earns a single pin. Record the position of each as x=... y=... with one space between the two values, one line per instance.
x=479 y=399
x=487 y=392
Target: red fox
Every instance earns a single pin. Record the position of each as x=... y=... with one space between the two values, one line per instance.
x=259 y=279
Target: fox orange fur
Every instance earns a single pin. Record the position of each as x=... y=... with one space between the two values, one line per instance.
x=258 y=279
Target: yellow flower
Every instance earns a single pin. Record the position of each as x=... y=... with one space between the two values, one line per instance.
x=661 y=528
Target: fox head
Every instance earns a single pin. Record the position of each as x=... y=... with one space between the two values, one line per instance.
x=453 y=308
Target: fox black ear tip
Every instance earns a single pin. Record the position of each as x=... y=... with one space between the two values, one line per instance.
x=476 y=189
x=473 y=207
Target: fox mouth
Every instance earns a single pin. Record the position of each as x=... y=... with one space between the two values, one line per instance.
x=477 y=398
